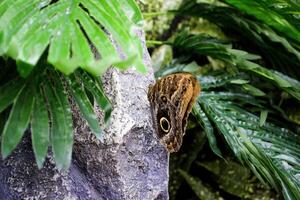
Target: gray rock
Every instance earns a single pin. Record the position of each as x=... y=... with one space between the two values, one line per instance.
x=129 y=164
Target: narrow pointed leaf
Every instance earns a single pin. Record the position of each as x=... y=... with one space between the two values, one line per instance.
x=270 y=152
x=203 y=45
x=272 y=17
x=61 y=129
x=205 y=123
x=95 y=87
x=40 y=129
x=85 y=106
x=18 y=119
x=9 y=92
x=263 y=117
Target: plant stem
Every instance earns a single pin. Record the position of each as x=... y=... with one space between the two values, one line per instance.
x=154 y=42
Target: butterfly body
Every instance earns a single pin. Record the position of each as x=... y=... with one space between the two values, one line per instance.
x=171 y=100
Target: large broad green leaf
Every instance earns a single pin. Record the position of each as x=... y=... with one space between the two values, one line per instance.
x=90 y=34
x=79 y=33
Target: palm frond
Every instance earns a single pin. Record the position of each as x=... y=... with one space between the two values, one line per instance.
x=251 y=33
x=80 y=33
x=19 y=117
x=241 y=103
x=208 y=129
x=85 y=105
x=61 y=120
x=204 y=45
x=281 y=15
x=41 y=100
x=94 y=85
x=92 y=35
x=272 y=153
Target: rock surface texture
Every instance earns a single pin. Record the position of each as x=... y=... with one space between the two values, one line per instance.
x=129 y=164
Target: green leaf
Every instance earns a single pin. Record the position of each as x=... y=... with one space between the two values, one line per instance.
x=209 y=131
x=210 y=82
x=18 y=119
x=291 y=86
x=95 y=87
x=55 y=102
x=80 y=33
x=272 y=153
x=250 y=30
x=85 y=106
x=132 y=7
x=253 y=90
x=203 y=45
x=239 y=81
x=270 y=16
x=263 y=117
x=61 y=129
x=24 y=69
x=10 y=91
x=40 y=129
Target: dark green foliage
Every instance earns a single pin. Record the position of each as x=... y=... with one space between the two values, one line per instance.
x=184 y=162
x=84 y=104
x=204 y=45
x=68 y=35
x=208 y=129
x=41 y=100
x=245 y=103
x=283 y=16
x=61 y=120
x=271 y=152
x=235 y=179
x=19 y=117
x=252 y=34
x=201 y=191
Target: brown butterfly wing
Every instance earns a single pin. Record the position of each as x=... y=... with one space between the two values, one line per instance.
x=171 y=99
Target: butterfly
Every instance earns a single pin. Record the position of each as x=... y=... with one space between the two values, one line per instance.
x=171 y=100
